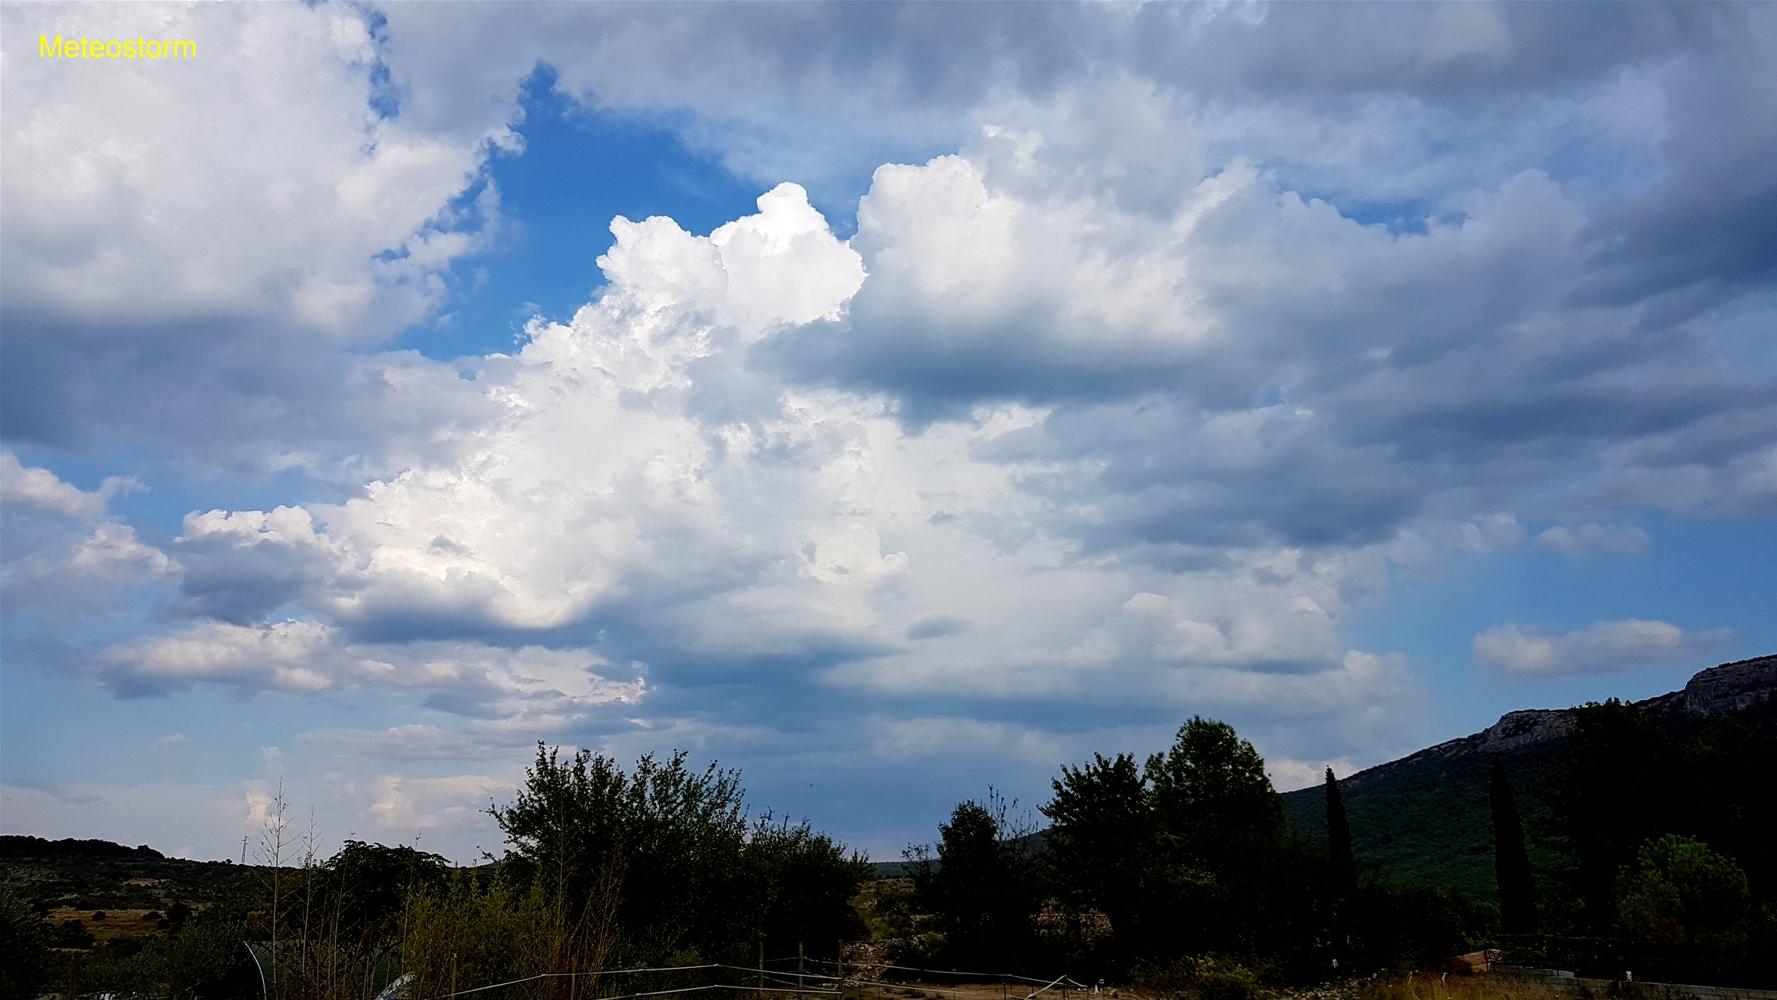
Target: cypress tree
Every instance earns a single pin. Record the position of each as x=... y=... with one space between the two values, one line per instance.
x=1344 y=865
x=1511 y=863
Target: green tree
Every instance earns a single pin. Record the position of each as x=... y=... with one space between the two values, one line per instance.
x=25 y=945
x=1213 y=799
x=1101 y=838
x=982 y=885
x=671 y=838
x=1620 y=781
x=1340 y=859
x=803 y=884
x=1684 y=901
x=1220 y=832
x=1511 y=862
x=364 y=884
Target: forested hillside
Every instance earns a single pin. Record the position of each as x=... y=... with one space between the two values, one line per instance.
x=1423 y=819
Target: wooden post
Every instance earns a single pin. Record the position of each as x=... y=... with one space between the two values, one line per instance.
x=74 y=976
x=453 y=973
x=761 y=968
x=839 y=968
x=800 y=984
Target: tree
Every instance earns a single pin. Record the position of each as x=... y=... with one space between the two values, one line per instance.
x=25 y=946
x=1620 y=781
x=1220 y=833
x=1214 y=800
x=1101 y=839
x=1339 y=856
x=363 y=885
x=803 y=883
x=672 y=838
x=982 y=885
x=1684 y=901
x=1511 y=862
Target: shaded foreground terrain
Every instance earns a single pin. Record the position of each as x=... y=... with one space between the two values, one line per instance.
x=1642 y=833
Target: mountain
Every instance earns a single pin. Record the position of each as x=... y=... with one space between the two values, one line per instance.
x=1424 y=819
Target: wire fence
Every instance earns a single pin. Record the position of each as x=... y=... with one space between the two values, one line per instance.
x=829 y=976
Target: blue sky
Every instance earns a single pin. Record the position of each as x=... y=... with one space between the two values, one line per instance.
x=887 y=400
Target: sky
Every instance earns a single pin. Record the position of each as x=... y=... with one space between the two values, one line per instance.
x=891 y=401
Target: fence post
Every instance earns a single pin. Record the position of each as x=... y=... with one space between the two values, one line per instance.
x=799 y=973
x=761 y=968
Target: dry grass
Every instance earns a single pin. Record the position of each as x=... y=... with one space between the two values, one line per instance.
x=118 y=925
x=1430 y=986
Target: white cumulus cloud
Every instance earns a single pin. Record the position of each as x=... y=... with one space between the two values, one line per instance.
x=1600 y=648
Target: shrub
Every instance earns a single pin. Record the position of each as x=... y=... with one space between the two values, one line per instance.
x=1203 y=977
x=465 y=931
x=70 y=934
x=1682 y=899
x=25 y=946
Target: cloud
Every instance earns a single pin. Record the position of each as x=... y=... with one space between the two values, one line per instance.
x=65 y=556
x=1601 y=648
x=1130 y=405
x=39 y=491
x=304 y=658
x=824 y=94
x=1207 y=439
x=138 y=251
x=1622 y=539
x=1288 y=775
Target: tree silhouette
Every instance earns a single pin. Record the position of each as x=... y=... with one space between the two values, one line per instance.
x=1511 y=863
x=1344 y=865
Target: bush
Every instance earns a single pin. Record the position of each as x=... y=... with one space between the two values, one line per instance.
x=1204 y=977
x=25 y=946
x=467 y=932
x=70 y=934
x=185 y=964
x=1684 y=902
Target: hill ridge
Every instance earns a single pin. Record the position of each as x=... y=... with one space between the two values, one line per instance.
x=1413 y=817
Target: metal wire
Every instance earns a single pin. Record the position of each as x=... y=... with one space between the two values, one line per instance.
x=778 y=976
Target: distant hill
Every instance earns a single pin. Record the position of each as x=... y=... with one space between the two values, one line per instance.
x=12 y=846
x=1425 y=818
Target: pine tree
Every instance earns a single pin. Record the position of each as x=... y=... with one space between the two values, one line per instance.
x=1511 y=863
x=1344 y=865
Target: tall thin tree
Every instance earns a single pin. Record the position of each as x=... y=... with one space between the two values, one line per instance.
x=1511 y=862
x=1344 y=864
